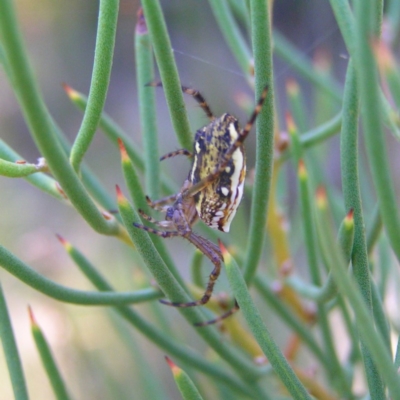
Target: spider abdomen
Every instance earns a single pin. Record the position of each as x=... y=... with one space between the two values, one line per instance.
x=217 y=202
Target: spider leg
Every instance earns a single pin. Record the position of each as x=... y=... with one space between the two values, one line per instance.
x=164 y=234
x=179 y=152
x=162 y=224
x=200 y=99
x=221 y=317
x=250 y=122
x=159 y=204
x=195 y=94
x=228 y=155
x=208 y=249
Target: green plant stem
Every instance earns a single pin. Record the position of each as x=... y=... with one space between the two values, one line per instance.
x=386 y=267
x=269 y=295
x=147 y=107
x=397 y=357
x=185 y=385
x=175 y=292
x=310 y=236
x=380 y=317
x=11 y=352
x=350 y=182
x=162 y=340
x=103 y=55
x=115 y=132
x=345 y=19
x=195 y=268
x=262 y=49
x=318 y=135
x=139 y=199
x=297 y=105
x=346 y=22
x=319 y=294
x=345 y=238
x=14 y=170
x=38 y=120
x=365 y=324
x=233 y=37
x=39 y=180
x=352 y=200
x=322 y=132
x=168 y=71
x=261 y=333
x=374 y=231
x=49 y=185
x=44 y=285
x=53 y=373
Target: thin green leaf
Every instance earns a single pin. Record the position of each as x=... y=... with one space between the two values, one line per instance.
x=11 y=352
x=185 y=385
x=48 y=361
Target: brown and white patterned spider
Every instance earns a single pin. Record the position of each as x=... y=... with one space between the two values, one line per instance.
x=212 y=190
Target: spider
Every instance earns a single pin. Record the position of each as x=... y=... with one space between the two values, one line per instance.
x=212 y=191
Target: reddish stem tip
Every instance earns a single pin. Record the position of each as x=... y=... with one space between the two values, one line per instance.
x=321 y=192
x=350 y=214
x=141 y=27
x=170 y=362
x=122 y=149
x=68 y=89
x=222 y=247
x=31 y=316
x=291 y=126
x=120 y=195
x=61 y=239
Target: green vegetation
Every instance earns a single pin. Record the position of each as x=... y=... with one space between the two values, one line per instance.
x=313 y=269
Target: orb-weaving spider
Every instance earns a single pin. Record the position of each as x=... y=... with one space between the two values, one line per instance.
x=212 y=190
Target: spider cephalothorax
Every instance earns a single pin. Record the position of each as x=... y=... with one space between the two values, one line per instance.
x=212 y=190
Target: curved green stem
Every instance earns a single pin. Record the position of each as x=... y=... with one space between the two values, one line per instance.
x=40 y=125
x=39 y=180
x=44 y=285
x=103 y=56
x=114 y=133
x=18 y=170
